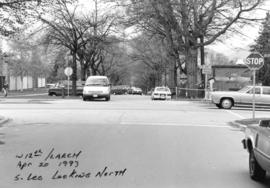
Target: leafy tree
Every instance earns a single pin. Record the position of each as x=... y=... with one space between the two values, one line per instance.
x=65 y=29
x=263 y=46
x=25 y=59
x=188 y=25
x=15 y=14
x=152 y=53
x=86 y=37
x=56 y=58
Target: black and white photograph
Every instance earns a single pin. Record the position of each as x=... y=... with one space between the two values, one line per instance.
x=134 y=93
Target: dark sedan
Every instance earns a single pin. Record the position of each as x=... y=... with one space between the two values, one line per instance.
x=63 y=90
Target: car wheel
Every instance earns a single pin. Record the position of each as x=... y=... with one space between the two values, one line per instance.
x=84 y=98
x=255 y=170
x=107 y=98
x=226 y=103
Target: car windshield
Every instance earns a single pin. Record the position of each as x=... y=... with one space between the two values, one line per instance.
x=244 y=89
x=97 y=81
x=162 y=89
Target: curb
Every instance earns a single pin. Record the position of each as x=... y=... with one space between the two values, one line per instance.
x=27 y=95
x=240 y=126
x=3 y=120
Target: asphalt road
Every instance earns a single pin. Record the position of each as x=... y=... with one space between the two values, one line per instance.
x=130 y=141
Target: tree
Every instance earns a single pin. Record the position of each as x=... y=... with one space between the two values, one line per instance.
x=66 y=30
x=262 y=45
x=152 y=53
x=116 y=63
x=188 y=25
x=14 y=14
x=84 y=36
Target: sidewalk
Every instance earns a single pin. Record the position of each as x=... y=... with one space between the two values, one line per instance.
x=243 y=123
x=28 y=92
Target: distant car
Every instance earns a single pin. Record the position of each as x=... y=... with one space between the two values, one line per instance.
x=58 y=90
x=119 y=90
x=243 y=97
x=97 y=87
x=257 y=143
x=136 y=91
x=50 y=85
x=162 y=93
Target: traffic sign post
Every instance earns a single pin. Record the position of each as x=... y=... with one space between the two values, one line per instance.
x=206 y=70
x=68 y=73
x=254 y=61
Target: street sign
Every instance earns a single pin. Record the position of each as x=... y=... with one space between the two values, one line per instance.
x=255 y=61
x=206 y=69
x=68 y=71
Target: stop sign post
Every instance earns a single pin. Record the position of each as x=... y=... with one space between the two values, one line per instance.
x=68 y=72
x=254 y=62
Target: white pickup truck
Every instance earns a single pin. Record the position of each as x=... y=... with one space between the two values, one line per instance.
x=257 y=143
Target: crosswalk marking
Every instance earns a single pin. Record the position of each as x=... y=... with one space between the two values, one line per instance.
x=173 y=124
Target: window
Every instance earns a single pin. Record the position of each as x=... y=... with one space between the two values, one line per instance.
x=257 y=90
x=266 y=91
x=265 y=123
x=162 y=89
x=97 y=81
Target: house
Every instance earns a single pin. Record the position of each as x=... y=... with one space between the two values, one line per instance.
x=231 y=77
x=15 y=82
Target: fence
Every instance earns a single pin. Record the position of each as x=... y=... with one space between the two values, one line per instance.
x=179 y=92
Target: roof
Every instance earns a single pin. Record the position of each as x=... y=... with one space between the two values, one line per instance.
x=229 y=66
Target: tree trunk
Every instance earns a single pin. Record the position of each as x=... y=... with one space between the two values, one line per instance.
x=192 y=67
x=83 y=71
x=172 y=76
x=74 y=75
x=202 y=60
x=88 y=71
x=175 y=76
x=94 y=71
x=21 y=89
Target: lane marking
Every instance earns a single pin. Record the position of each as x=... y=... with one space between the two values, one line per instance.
x=172 y=124
x=235 y=114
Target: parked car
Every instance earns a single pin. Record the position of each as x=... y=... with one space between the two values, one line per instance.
x=58 y=90
x=97 y=87
x=163 y=93
x=243 y=97
x=119 y=90
x=257 y=143
x=135 y=91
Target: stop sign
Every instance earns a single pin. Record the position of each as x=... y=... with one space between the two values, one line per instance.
x=255 y=61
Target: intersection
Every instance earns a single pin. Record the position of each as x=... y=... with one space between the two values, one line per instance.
x=152 y=143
